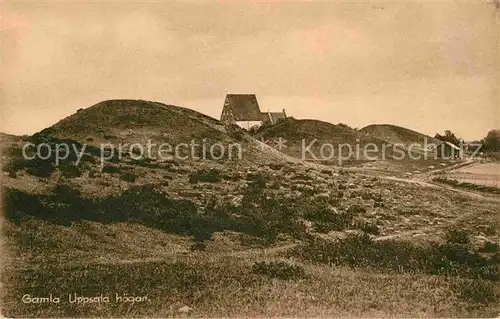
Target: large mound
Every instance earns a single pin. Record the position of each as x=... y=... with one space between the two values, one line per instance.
x=399 y=135
x=128 y=122
x=300 y=134
x=136 y=121
x=112 y=144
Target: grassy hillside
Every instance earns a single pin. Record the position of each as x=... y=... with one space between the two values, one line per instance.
x=253 y=256
x=135 y=121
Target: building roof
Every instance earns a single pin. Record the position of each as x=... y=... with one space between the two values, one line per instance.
x=276 y=116
x=244 y=107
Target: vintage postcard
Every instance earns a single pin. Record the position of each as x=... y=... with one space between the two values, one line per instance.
x=250 y=159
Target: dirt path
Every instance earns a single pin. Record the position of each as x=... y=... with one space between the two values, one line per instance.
x=425 y=180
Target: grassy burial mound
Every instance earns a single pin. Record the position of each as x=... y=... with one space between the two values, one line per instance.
x=399 y=135
x=125 y=122
x=315 y=140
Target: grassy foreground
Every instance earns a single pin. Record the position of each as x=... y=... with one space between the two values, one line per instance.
x=134 y=260
x=227 y=287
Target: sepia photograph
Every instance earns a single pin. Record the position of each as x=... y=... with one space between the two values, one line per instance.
x=250 y=159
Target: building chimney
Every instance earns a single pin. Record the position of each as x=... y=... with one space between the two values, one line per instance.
x=270 y=117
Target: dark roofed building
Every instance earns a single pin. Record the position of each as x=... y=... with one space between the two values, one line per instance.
x=244 y=110
x=241 y=107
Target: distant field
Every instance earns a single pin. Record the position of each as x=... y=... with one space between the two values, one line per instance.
x=487 y=174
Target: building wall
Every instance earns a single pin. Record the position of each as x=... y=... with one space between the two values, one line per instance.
x=447 y=152
x=248 y=124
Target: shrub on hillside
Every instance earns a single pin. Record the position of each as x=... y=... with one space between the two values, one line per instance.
x=35 y=166
x=306 y=190
x=111 y=169
x=489 y=247
x=275 y=167
x=210 y=176
x=198 y=246
x=63 y=205
x=257 y=182
x=455 y=236
x=70 y=170
x=438 y=259
x=477 y=291
x=325 y=217
x=141 y=204
x=356 y=209
x=145 y=162
x=128 y=177
x=301 y=177
x=88 y=159
x=39 y=168
x=279 y=269
x=370 y=228
x=15 y=160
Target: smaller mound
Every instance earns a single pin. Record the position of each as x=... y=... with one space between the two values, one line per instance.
x=399 y=135
x=323 y=137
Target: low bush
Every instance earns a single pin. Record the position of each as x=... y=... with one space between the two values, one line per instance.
x=326 y=218
x=40 y=168
x=278 y=269
x=437 y=258
x=477 y=291
x=356 y=209
x=275 y=185
x=370 y=228
x=198 y=246
x=489 y=247
x=128 y=177
x=275 y=167
x=146 y=204
x=140 y=204
x=256 y=183
x=231 y=177
x=70 y=170
x=301 y=177
x=455 y=236
x=210 y=176
x=305 y=190
x=111 y=169
x=145 y=162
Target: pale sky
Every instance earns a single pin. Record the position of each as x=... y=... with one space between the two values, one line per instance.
x=426 y=66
